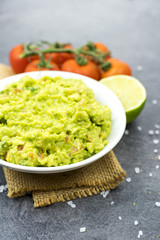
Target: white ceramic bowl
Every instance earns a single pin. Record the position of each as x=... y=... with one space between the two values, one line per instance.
x=102 y=94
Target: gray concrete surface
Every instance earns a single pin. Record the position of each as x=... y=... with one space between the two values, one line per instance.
x=130 y=28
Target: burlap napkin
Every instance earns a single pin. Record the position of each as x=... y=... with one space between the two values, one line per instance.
x=104 y=174
x=5 y=71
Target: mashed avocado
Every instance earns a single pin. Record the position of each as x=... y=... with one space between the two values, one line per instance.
x=51 y=122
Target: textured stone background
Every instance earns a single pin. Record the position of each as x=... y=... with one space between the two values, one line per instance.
x=130 y=28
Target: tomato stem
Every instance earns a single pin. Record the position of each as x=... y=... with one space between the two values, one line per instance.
x=81 y=60
x=43 y=63
x=79 y=54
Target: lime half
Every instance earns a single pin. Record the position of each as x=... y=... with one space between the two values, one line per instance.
x=130 y=92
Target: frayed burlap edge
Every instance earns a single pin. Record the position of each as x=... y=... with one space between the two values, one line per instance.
x=42 y=199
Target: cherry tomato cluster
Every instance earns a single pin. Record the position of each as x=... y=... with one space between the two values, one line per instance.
x=93 y=60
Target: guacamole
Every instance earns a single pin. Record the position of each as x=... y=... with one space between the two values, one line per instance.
x=51 y=122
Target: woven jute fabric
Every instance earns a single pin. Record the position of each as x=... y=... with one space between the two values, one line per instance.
x=104 y=174
x=5 y=71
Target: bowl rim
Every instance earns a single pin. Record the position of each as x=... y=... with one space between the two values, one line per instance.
x=73 y=166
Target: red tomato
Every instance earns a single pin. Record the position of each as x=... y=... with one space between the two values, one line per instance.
x=117 y=67
x=90 y=69
x=60 y=58
x=19 y=64
x=101 y=47
x=33 y=66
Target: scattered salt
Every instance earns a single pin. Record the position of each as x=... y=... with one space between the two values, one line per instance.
x=154 y=101
x=157 y=166
x=3 y=188
x=157 y=126
x=150 y=174
x=82 y=229
x=158 y=157
x=155 y=150
x=155 y=141
x=73 y=205
x=157 y=204
x=70 y=203
x=140 y=233
x=150 y=132
x=126 y=132
x=137 y=170
x=112 y=202
x=139 y=68
x=156 y=132
x=128 y=179
x=105 y=193
x=120 y=218
x=139 y=128
x=135 y=222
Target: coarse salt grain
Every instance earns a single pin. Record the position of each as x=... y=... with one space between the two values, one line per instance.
x=158 y=157
x=156 y=132
x=157 y=204
x=70 y=203
x=150 y=132
x=155 y=150
x=137 y=170
x=140 y=233
x=3 y=188
x=73 y=205
x=82 y=229
x=135 y=222
x=157 y=166
x=157 y=126
x=128 y=179
x=126 y=132
x=154 y=101
x=139 y=68
x=150 y=174
x=112 y=202
x=139 y=128
x=105 y=193
x=120 y=218
x=155 y=141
